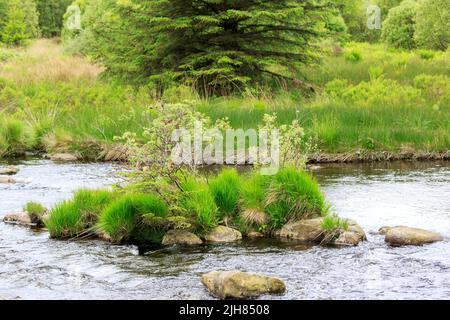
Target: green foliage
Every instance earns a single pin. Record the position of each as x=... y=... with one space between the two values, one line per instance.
x=433 y=24
x=425 y=54
x=134 y=218
x=294 y=195
x=253 y=200
x=51 y=14
x=225 y=190
x=332 y=227
x=214 y=45
x=18 y=21
x=36 y=212
x=78 y=216
x=353 y=55
x=398 y=28
x=197 y=202
x=14 y=139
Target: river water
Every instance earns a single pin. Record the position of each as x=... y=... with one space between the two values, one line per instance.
x=415 y=194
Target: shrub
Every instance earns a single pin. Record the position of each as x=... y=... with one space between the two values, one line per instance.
x=225 y=190
x=432 y=24
x=135 y=218
x=78 y=217
x=354 y=55
x=19 y=21
x=425 y=54
x=398 y=28
x=435 y=87
x=294 y=195
x=198 y=203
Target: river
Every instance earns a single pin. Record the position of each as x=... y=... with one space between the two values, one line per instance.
x=32 y=266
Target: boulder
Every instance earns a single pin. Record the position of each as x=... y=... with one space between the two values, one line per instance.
x=22 y=219
x=303 y=230
x=355 y=228
x=63 y=157
x=183 y=237
x=404 y=236
x=348 y=238
x=10 y=171
x=241 y=285
x=223 y=234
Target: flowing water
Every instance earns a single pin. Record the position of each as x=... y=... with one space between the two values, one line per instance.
x=415 y=194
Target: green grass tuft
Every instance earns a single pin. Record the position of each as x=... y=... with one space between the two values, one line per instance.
x=225 y=190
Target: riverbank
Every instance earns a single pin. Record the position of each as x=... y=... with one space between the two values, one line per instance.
x=389 y=104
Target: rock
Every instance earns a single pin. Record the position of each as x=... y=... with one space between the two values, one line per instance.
x=255 y=235
x=63 y=157
x=118 y=153
x=22 y=219
x=404 y=236
x=9 y=171
x=303 y=230
x=348 y=238
x=183 y=237
x=354 y=227
x=240 y=285
x=4 y=179
x=223 y=234
x=384 y=230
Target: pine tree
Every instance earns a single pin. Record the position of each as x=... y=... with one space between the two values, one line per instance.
x=217 y=45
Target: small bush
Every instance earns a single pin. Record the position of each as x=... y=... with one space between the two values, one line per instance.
x=294 y=195
x=398 y=28
x=134 y=218
x=425 y=54
x=197 y=201
x=354 y=55
x=225 y=190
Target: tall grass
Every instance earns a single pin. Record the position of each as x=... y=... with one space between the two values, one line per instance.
x=134 y=217
x=225 y=189
x=14 y=139
x=78 y=216
x=198 y=203
x=294 y=195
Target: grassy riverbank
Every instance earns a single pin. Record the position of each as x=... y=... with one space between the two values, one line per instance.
x=367 y=99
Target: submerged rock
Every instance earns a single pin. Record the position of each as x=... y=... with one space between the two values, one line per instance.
x=63 y=157
x=10 y=171
x=223 y=234
x=311 y=231
x=404 y=236
x=241 y=285
x=255 y=235
x=5 y=179
x=183 y=237
x=22 y=219
x=304 y=230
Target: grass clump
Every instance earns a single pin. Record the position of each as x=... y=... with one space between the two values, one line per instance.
x=225 y=190
x=13 y=137
x=135 y=218
x=253 y=196
x=332 y=227
x=78 y=216
x=197 y=202
x=36 y=212
x=294 y=195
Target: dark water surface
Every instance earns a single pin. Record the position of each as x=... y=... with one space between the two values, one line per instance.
x=415 y=194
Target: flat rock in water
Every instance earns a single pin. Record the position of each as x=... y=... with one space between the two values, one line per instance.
x=255 y=235
x=22 y=219
x=304 y=230
x=223 y=234
x=63 y=157
x=10 y=171
x=241 y=285
x=6 y=179
x=183 y=237
x=406 y=236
